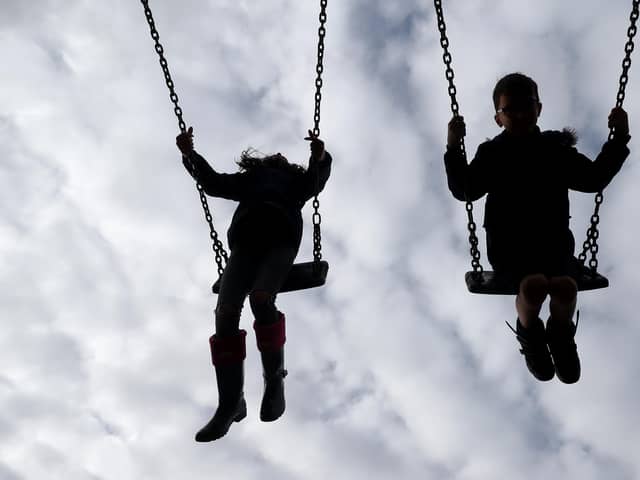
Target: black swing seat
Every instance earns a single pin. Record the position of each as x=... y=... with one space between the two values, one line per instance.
x=301 y=276
x=490 y=283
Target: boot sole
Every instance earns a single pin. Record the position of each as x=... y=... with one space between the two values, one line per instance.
x=265 y=418
x=568 y=381
x=573 y=374
x=543 y=378
x=270 y=416
x=267 y=413
x=201 y=436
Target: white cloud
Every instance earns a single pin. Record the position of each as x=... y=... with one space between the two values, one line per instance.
x=395 y=370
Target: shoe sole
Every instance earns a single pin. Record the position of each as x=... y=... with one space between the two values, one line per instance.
x=269 y=418
x=239 y=417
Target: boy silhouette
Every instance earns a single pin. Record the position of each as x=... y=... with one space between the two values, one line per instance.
x=526 y=174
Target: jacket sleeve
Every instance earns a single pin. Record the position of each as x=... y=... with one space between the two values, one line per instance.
x=468 y=181
x=231 y=186
x=316 y=176
x=593 y=176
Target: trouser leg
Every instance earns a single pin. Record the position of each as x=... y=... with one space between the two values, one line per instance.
x=270 y=329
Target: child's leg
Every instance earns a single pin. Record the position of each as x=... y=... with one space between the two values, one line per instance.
x=227 y=354
x=228 y=347
x=533 y=292
x=235 y=284
x=561 y=329
x=270 y=275
x=530 y=329
x=270 y=328
x=564 y=294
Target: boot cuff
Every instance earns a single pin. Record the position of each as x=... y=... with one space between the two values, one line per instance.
x=228 y=350
x=270 y=337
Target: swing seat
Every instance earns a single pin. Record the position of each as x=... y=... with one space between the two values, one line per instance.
x=301 y=276
x=490 y=283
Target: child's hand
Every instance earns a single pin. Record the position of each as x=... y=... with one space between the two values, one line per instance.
x=619 y=121
x=185 y=141
x=457 y=131
x=317 y=146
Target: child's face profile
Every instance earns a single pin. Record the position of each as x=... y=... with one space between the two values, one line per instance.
x=517 y=113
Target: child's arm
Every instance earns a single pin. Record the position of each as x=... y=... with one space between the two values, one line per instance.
x=466 y=182
x=588 y=176
x=319 y=168
x=224 y=185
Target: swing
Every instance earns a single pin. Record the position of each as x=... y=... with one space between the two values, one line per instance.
x=302 y=275
x=487 y=282
x=491 y=283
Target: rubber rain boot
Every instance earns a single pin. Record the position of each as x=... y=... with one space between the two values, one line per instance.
x=227 y=355
x=270 y=339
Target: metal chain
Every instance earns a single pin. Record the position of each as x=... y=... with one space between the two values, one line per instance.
x=218 y=249
x=591 y=243
x=446 y=57
x=317 y=218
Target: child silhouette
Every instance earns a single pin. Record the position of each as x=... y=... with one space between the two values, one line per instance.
x=264 y=237
x=526 y=174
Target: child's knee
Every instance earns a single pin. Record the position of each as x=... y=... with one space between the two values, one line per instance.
x=260 y=298
x=534 y=288
x=227 y=318
x=263 y=306
x=563 y=289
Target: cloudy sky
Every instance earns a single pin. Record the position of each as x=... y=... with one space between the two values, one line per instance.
x=395 y=370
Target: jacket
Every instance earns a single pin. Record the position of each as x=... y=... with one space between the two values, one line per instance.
x=270 y=199
x=527 y=182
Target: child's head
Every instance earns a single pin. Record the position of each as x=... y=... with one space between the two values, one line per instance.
x=249 y=159
x=517 y=103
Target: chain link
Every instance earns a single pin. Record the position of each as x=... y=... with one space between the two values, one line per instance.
x=218 y=249
x=316 y=218
x=455 y=109
x=591 y=243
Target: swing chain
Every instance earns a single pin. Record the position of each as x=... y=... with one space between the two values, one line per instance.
x=455 y=108
x=164 y=64
x=319 y=66
x=218 y=249
x=591 y=243
x=220 y=254
x=316 y=218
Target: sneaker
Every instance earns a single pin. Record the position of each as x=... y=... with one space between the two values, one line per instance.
x=534 y=348
x=564 y=351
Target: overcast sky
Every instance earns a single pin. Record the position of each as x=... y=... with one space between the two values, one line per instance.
x=395 y=371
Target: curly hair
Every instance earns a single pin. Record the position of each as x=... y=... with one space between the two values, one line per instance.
x=250 y=159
